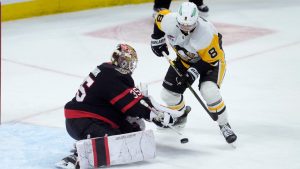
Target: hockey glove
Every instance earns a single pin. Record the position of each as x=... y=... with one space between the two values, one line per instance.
x=163 y=116
x=159 y=46
x=190 y=76
x=162 y=120
x=143 y=87
x=136 y=122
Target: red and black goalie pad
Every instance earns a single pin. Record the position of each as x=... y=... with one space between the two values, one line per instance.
x=101 y=152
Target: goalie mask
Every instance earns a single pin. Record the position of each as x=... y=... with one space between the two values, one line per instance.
x=187 y=16
x=125 y=57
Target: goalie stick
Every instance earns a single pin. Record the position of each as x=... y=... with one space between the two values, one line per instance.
x=183 y=140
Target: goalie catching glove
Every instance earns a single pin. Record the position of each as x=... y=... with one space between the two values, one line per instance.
x=162 y=116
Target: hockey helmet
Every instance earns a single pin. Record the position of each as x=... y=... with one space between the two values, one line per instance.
x=187 y=16
x=125 y=57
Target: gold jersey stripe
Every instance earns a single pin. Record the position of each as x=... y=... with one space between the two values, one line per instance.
x=185 y=64
x=216 y=108
x=212 y=52
x=160 y=16
x=178 y=106
x=222 y=70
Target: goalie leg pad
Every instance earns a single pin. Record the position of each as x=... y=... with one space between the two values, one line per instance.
x=117 y=149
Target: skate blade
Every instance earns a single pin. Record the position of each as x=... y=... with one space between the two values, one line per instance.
x=63 y=165
x=233 y=145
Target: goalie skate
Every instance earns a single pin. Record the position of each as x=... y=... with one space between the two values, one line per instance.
x=69 y=162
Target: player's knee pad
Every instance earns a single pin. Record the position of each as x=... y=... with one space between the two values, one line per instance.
x=211 y=94
x=173 y=100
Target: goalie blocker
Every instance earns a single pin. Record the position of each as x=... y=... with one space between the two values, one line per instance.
x=115 y=150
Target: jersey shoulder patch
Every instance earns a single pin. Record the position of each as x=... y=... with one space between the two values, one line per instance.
x=213 y=52
x=169 y=24
x=159 y=17
x=206 y=42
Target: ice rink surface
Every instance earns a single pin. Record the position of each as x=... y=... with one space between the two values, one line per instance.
x=45 y=59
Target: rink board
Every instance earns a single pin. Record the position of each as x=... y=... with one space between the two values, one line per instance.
x=30 y=8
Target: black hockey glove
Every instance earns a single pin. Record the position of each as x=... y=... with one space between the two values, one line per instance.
x=160 y=124
x=190 y=76
x=158 y=46
x=129 y=126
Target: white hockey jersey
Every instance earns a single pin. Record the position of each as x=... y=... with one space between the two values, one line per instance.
x=201 y=43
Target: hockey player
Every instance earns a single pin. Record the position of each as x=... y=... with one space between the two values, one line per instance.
x=165 y=4
x=108 y=103
x=199 y=51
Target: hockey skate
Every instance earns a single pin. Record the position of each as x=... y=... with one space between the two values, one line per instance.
x=69 y=162
x=203 y=10
x=228 y=133
x=180 y=121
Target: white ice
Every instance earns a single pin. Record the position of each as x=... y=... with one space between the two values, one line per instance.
x=45 y=59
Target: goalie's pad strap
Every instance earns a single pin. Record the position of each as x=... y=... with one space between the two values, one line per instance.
x=100 y=145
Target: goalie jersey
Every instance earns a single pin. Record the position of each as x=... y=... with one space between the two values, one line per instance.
x=204 y=42
x=107 y=94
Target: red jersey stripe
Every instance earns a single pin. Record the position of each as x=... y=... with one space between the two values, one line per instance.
x=120 y=96
x=75 y=114
x=132 y=103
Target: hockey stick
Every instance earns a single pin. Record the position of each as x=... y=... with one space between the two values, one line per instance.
x=183 y=140
x=189 y=86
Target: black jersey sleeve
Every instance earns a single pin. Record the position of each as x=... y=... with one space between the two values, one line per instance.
x=123 y=95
